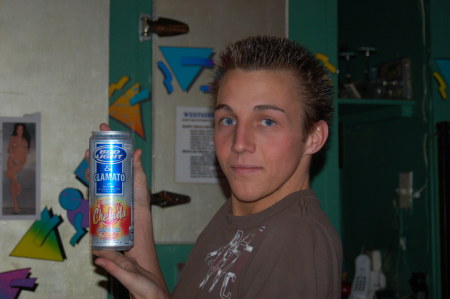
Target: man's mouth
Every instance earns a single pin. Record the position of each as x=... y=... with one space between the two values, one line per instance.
x=242 y=169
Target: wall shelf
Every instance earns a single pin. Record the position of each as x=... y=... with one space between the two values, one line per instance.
x=358 y=111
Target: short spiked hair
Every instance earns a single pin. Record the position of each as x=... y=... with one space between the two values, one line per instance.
x=278 y=53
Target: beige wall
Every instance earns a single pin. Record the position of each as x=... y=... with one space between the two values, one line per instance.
x=54 y=60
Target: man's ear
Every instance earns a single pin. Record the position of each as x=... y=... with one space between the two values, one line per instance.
x=316 y=138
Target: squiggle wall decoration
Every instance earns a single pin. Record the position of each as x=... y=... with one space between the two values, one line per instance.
x=12 y=282
x=127 y=107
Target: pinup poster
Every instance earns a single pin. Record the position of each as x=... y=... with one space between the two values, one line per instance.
x=20 y=165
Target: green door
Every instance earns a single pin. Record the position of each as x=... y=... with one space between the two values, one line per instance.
x=130 y=67
x=130 y=75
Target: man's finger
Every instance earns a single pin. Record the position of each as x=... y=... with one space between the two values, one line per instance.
x=105 y=127
x=109 y=254
x=137 y=158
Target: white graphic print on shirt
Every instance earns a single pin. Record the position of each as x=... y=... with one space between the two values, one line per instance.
x=224 y=258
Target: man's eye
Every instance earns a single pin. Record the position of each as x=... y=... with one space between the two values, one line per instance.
x=227 y=121
x=268 y=122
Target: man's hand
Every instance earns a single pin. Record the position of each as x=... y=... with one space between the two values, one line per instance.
x=139 y=282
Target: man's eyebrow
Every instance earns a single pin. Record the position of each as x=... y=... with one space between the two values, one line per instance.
x=268 y=107
x=256 y=108
x=223 y=107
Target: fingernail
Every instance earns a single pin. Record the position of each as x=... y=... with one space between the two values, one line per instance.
x=99 y=263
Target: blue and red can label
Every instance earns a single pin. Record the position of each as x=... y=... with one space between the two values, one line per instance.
x=111 y=190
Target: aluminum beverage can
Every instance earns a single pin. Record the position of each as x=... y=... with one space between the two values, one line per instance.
x=111 y=190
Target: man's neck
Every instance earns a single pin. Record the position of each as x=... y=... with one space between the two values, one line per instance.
x=245 y=208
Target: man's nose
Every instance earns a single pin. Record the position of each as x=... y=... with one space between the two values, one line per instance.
x=243 y=139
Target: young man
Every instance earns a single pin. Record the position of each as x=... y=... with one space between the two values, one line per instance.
x=271 y=239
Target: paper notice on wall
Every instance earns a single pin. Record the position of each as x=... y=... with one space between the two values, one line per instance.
x=195 y=158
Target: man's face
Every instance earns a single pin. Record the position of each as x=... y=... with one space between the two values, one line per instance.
x=258 y=138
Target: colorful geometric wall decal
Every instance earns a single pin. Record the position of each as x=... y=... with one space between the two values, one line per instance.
x=113 y=87
x=124 y=111
x=77 y=212
x=80 y=171
x=167 y=76
x=442 y=86
x=42 y=240
x=326 y=62
x=12 y=282
x=143 y=95
x=187 y=63
x=206 y=62
x=205 y=88
x=444 y=66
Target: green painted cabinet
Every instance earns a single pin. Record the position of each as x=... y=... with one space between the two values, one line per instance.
x=379 y=139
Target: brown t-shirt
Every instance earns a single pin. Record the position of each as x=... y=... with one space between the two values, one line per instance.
x=289 y=250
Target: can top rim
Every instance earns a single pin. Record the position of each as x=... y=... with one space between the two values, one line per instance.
x=110 y=133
